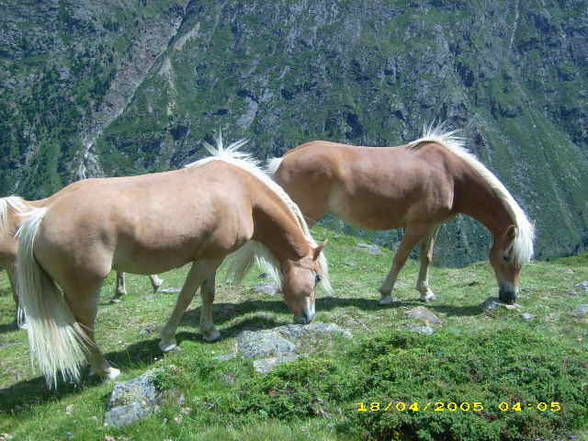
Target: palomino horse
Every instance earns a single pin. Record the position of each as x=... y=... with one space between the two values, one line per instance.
x=13 y=211
x=417 y=186
x=151 y=224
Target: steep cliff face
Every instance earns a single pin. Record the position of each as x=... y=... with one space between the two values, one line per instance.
x=119 y=88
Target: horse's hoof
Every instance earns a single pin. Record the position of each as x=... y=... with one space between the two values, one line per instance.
x=112 y=373
x=428 y=297
x=386 y=300
x=211 y=336
x=109 y=373
x=168 y=346
x=157 y=285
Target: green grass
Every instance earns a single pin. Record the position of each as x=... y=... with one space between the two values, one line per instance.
x=475 y=356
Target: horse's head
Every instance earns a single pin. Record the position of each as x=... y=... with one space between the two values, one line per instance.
x=300 y=280
x=505 y=265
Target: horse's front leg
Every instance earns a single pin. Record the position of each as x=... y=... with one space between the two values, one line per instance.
x=412 y=236
x=207 y=291
x=199 y=272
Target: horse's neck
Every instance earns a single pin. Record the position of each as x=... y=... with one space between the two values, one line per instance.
x=277 y=228
x=477 y=199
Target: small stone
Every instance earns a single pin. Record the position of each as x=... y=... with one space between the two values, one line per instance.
x=494 y=302
x=69 y=435
x=266 y=288
x=149 y=329
x=69 y=409
x=527 y=316
x=178 y=419
x=266 y=365
x=423 y=314
x=568 y=271
x=370 y=248
x=169 y=290
x=427 y=330
x=581 y=310
x=133 y=399
x=583 y=285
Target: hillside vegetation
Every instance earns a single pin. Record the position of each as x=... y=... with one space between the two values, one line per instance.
x=490 y=357
x=124 y=87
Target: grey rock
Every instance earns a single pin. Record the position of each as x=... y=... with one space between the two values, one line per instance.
x=495 y=302
x=527 y=316
x=316 y=329
x=265 y=365
x=423 y=314
x=581 y=310
x=427 y=330
x=266 y=288
x=583 y=285
x=370 y=248
x=133 y=399
x=265 y=343
x=281 y=344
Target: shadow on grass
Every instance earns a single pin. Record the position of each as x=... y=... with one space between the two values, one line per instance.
x=8 y=327
x=20 y=395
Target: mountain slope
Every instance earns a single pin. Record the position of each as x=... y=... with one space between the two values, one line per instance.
x=122 y=88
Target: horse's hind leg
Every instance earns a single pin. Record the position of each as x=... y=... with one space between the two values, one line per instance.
x=19 y=316
x=199 y=272
x=83 y=302
x=156 y=282
x=412 y=236
x=120 y=289
x=207 y=328
x=427 y=246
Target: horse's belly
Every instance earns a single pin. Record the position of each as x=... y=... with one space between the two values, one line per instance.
x=366 y=211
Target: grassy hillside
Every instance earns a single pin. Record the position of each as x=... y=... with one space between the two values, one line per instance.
x=474 y=356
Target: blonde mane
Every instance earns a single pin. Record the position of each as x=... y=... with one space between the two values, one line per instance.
x=523 y=242
x=253 y=251
x=14 y=203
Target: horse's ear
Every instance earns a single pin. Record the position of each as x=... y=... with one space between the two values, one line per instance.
x=510 y=234
x=317 y=251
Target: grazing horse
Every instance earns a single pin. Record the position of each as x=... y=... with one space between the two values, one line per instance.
x=13 y=211
x=150 y=224
x=416 y=186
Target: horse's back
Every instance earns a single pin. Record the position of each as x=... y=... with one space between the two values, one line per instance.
x=372 y=187
x=147 y=223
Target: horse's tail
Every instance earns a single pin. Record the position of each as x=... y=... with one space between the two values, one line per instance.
x=56 y=340
x=272 y=167
x=13 y=202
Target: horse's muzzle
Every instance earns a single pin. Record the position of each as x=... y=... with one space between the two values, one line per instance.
x=507 y=293
x=304 y=318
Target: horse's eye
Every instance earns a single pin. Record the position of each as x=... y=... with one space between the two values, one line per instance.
x=317 y=278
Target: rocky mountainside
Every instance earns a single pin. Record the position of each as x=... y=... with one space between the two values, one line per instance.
x=117 y=87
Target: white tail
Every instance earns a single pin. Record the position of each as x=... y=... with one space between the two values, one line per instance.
x=56 y=341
